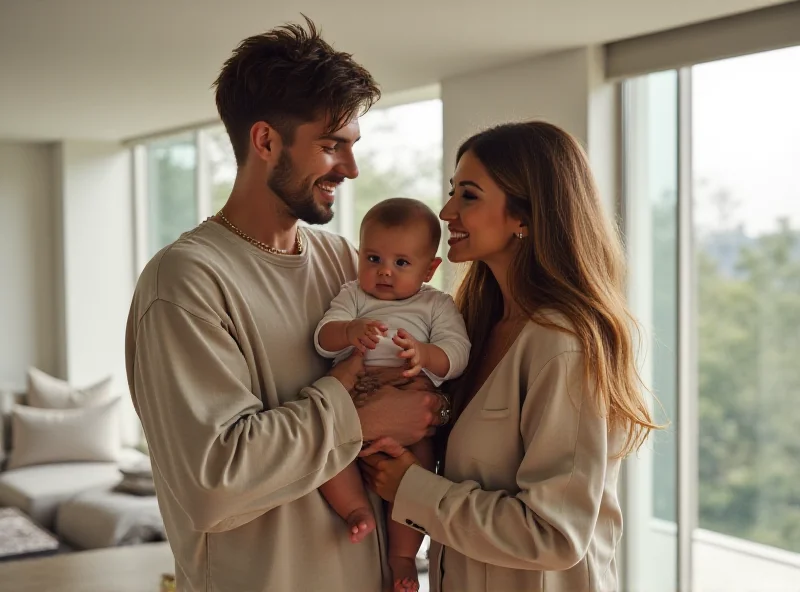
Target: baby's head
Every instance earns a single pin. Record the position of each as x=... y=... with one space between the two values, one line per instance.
x=397 y=254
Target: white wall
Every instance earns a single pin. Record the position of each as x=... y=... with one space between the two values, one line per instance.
x=95 y=213
x=66 y=263
x=28 y=334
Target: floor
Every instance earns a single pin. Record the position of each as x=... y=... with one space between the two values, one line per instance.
x=121 y=569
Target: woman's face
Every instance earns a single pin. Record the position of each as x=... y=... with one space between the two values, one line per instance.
x=476 y=215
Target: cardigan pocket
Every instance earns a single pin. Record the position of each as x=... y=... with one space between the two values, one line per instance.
x=495 y=413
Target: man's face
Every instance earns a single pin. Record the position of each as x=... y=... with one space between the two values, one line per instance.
x=308 y=172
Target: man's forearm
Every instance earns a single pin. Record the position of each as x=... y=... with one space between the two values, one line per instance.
x=333 y=336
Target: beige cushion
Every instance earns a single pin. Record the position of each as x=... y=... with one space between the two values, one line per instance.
x=97 y=519
x=48 y=392
x=7 y=401
x=42 y=436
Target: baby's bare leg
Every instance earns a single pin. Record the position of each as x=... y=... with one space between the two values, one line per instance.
x=404 y=542
x=347 y=496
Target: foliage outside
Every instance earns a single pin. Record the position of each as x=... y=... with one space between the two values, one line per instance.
x=748 y=342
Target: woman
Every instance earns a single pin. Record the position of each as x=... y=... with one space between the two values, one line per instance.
x=551 y=401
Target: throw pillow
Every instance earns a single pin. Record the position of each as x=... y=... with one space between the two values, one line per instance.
x=44 y=436
x=48 y=392
x=7 y=401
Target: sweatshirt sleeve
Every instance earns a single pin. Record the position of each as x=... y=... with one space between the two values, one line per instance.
x=549 y=523
x=344 y=307
x=449 y=333
x=224 y=458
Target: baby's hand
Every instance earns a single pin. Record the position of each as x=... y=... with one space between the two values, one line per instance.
x=364 y=334
x=414 y=352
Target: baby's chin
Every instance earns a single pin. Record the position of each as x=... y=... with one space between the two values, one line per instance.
x=388 y=293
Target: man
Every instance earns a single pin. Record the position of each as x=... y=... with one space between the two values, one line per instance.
x=219 y=345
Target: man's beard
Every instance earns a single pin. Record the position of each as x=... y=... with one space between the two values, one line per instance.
x=297 y=195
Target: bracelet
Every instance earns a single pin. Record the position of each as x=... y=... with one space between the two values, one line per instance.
x=444 y=409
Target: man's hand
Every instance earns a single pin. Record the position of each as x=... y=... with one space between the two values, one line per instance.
x=365 y=334
x=414 y=352
x=349 y=371
x=405 y=415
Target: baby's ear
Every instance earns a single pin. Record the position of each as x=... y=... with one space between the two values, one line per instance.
x=437 y=261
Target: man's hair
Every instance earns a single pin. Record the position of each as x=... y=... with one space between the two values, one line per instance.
x=403 y=211
x=286 y=77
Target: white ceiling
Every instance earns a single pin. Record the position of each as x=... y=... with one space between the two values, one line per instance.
x=112 y=69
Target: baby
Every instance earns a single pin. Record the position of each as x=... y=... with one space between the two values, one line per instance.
x=395 y=321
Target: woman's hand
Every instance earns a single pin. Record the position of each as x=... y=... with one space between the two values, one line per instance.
x=383 y=464
x=349 y=371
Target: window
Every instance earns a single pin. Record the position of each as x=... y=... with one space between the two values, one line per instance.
x=651 y=216
x=171 y=189
x=188 y=177
x=713 y=228
x=746 y=153
x=221 y=166
x=399 y=155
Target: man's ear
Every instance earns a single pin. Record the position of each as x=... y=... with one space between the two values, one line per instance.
x=437 y=261
x=265 y=141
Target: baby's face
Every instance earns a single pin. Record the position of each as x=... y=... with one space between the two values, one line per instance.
x=394 y=262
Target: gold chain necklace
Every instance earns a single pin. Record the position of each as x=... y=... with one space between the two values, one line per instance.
x=298 y=241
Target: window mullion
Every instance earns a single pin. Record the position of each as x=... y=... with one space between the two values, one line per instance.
x=687 y=325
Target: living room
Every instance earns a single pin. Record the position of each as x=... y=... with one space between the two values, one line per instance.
x=110 y=146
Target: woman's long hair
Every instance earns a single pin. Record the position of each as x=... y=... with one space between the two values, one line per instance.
x=572 y=261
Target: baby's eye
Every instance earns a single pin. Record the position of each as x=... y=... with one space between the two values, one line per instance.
x=403 y=263
x=373 y=259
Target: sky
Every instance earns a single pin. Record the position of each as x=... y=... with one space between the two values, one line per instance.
x=746 y=137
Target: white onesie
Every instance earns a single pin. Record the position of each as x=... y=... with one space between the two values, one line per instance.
x=430 y=316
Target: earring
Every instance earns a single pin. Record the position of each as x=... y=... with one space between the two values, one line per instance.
x=520 y=236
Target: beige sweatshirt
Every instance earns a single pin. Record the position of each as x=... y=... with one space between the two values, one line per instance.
x=528 y=500
x=241 y=428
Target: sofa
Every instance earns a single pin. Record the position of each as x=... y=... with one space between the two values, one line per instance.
x=69 y=460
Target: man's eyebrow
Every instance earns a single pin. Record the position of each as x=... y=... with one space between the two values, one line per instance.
x=339 y=139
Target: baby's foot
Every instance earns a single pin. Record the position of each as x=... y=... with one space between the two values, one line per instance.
x=361 y=523
x=404 y=574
